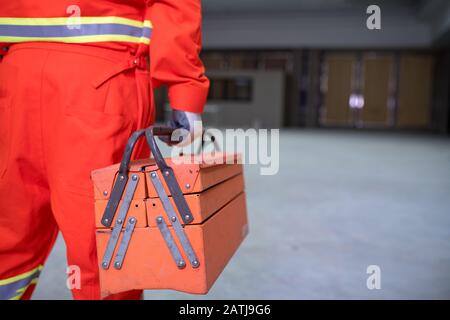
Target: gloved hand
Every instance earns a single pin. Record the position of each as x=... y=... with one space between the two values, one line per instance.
x=188 y=127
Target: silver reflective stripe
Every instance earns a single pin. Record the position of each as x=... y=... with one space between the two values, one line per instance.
x=75 y=30
x=13 y=288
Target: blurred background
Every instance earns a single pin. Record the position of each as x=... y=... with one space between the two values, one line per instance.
x=314 y=63
x=364 y=149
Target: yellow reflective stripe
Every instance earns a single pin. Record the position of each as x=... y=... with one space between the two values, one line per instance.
x=74 y=21
x=34 y=281
x=21 y=291
x=79 y=39
x=17 y=297
x=20 y=276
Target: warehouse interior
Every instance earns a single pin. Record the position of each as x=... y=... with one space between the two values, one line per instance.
x=364 y=146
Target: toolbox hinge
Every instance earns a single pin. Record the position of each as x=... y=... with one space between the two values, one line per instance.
x=114 y=238
x=178 y=228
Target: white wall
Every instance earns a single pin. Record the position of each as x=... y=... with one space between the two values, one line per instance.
x=265 y=110
x=315 y=29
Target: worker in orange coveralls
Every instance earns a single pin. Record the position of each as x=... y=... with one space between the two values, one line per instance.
x=74 y=84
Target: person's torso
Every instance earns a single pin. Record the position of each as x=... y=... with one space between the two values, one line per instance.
x=116 y=24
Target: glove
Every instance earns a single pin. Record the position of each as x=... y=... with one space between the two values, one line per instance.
x=188 y=127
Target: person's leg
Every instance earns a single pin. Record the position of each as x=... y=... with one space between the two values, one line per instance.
x=87 y=128
x=27 y=227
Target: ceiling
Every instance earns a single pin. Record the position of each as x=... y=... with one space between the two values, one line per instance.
x=434 y=13
x=226 y=6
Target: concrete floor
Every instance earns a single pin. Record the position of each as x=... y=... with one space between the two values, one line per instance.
x=341 y=201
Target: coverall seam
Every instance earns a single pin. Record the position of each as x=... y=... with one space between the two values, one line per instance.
x=42 y=147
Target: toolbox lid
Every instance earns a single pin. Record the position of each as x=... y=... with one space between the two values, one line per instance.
x=194 y=173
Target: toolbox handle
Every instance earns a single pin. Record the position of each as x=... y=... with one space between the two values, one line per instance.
x=150 y=134
x=156 y=131
x=125 y=163
x=122 y=179
x=167 y=172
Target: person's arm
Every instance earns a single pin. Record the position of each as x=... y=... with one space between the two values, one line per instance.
x=174 y=53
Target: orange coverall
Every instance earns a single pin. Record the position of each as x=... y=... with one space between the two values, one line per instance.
x=74 y=84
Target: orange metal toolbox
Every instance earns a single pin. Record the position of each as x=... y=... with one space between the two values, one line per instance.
x=162 y=225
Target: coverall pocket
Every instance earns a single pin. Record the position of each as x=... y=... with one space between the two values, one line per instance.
x=98 y=127
x=97 y=140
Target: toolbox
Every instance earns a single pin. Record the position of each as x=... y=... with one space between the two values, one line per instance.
x=165 y=225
